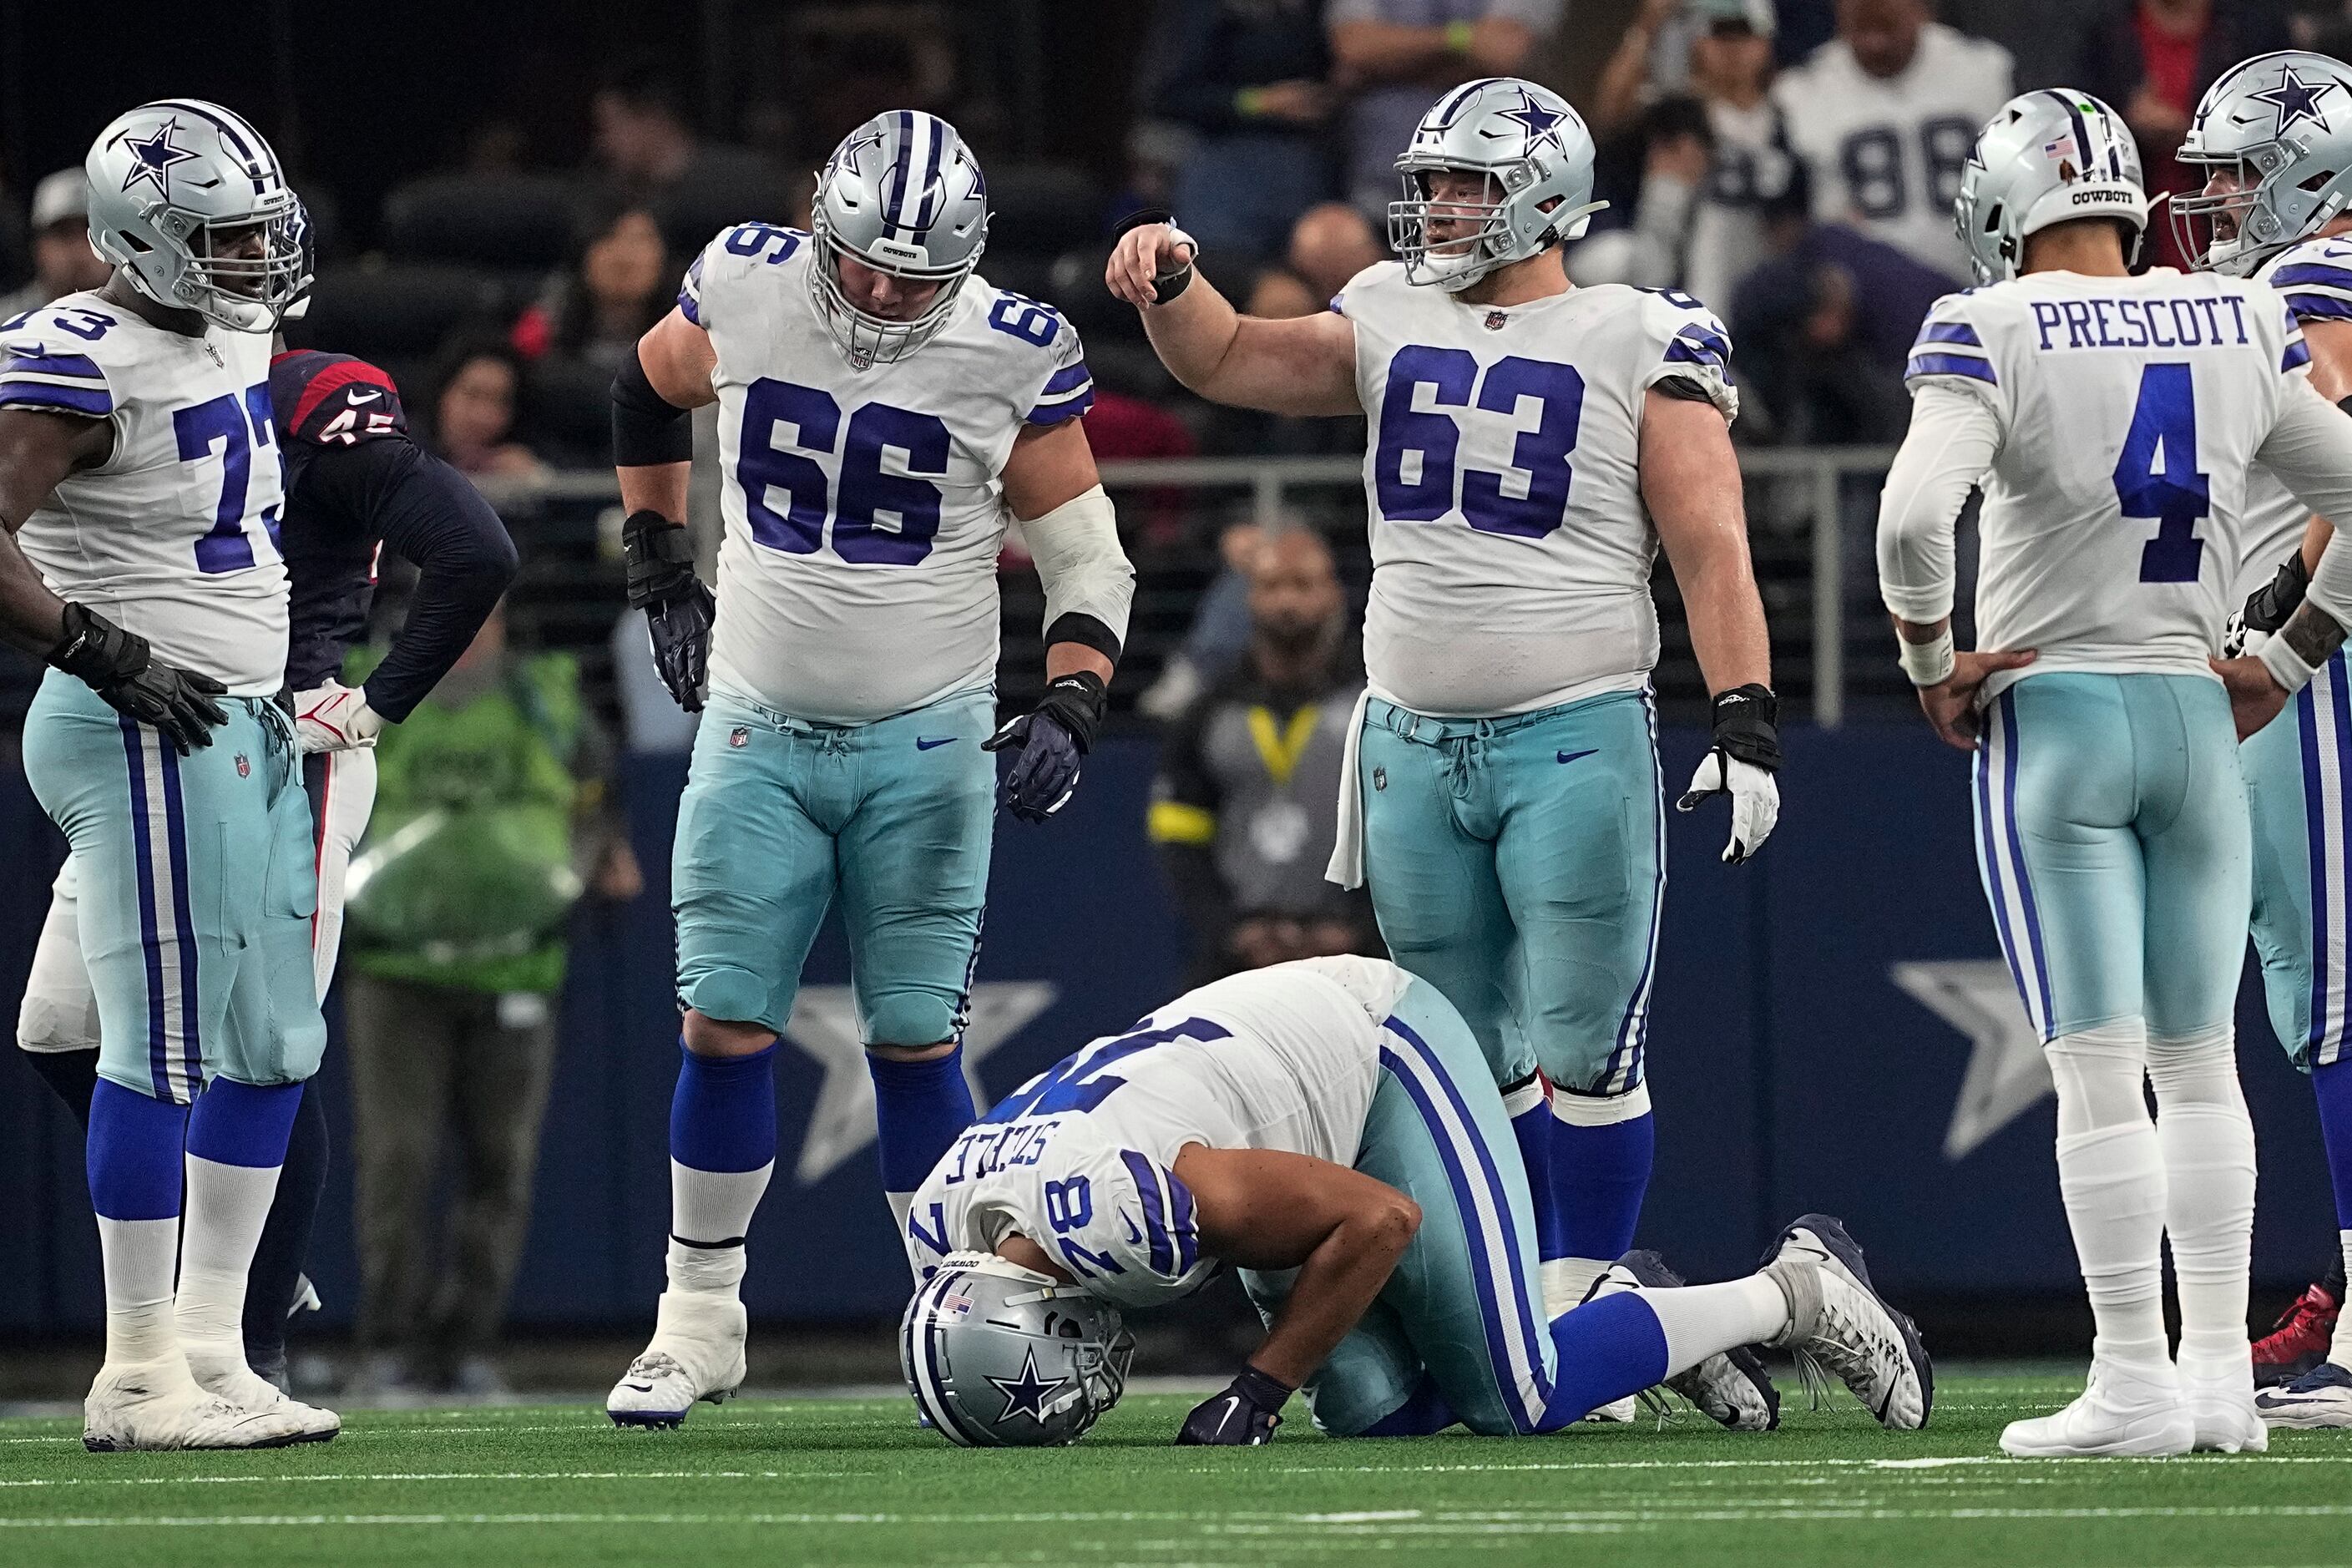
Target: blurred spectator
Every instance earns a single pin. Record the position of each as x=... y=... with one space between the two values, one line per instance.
x=647 y=147
x=1246 y=807
x=1884 y=117
x=1750 y=166
x=1247 y=76
x=493 y=815
x=1652 y=61
x=1277 y=293
x=1649 y=227
x=594 y=313
x=1329 y=245
x=63 y=262
x=471 y=391
x=1398 y=54
x=2152 y=59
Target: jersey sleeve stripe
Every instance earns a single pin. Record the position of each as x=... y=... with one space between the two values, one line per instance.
x=1155 y=1210
x=2311 y=305
x=53 y=365
x=1065 y=408
x=1682 y=351
x=1181 y=1221
x=1067 y=379
x=1713 y=345
x=2310 y=273
x=1951 y=364
x=1949 y=332
x=93 y=401
x=2297 y=356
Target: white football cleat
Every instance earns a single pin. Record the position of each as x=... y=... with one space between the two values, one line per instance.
x=1617 y=1412
x=2220 y=1397
x=2319 y=1399
x=1839 y=1323
x=697 y=1353
x=2122 y=1413
x=151 y=1405
x=227 y=1377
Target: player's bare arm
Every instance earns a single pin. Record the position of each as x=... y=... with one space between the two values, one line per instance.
x=652 y=455
x=37 y=449
x=1302 y=366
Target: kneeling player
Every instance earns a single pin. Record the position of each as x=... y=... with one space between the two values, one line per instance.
x=1329 y=1128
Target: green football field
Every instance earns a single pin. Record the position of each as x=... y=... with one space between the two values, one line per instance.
x=850 y=1480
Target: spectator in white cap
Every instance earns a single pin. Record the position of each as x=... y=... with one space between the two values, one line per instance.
x=63 y=262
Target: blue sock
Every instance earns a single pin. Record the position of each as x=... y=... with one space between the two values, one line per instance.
x=919 y=1108
x=1531 y=1125
x=133 y=1153
x=245 y=1124
x=1598 y=1177
x=722 y=1149
x=1423 y=1413
x=1606 y=1350
x=2333 y=1084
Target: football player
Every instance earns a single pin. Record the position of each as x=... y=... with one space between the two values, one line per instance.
x=1329 y=1128
x=354 y=480
x=1531 y=445
x=881 y=409
x=2112 y=421
x=2275 y=136
x=140 y=475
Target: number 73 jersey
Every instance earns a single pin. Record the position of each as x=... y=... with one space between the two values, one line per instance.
x=175 y=535
x=2131 y=411
x=863 y=509
x=1511 y=550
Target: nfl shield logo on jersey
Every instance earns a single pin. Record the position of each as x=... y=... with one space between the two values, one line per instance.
x=1495 y=321
x=244 y=768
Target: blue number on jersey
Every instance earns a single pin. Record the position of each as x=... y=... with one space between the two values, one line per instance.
x=750 y=238
x=2163 y=422
x=867 y=489
x=226 y=420
x=1024 y=318
x=1539 y=457
x=1081 y=1083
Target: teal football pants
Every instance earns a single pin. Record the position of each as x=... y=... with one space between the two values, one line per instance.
x=198 y=885
x=2112 y=838
x=2297 y=768
x=780 y=816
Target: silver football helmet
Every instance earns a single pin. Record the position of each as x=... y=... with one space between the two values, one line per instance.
x=174 y=187
x=904 y=195
x=2274 y=138
x=2047 y=157
x=999 y=1356
x=1537 y=159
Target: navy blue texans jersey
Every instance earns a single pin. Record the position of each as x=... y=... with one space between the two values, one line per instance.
x=327 y=403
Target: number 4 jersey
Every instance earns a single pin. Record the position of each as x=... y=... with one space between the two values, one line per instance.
x=1081 y=1158
x=1511 y=550
x=863 y=509
x=175 y=535
x=2128 y=412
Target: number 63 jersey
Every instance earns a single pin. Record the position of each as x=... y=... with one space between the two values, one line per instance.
x=2129 y=413
x=863 y=509
x=175 y=535
x=1511 y=550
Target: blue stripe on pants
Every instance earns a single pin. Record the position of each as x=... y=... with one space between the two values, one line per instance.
x=159 y=1055
x=182 y=923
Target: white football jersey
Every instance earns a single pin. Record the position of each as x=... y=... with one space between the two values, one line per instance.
x=175 y=536
x=1511 y=550
x=2316 y=279
x=2131 y=410
x=1883 y=155
x=864 y=509
x=1081 y=1158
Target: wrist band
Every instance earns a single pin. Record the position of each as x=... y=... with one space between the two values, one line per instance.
x=1926 y=663
x=2285 y=665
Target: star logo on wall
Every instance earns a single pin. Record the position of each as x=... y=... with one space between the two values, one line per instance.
x=2008 y=1074
x=825 y=1027
x=151 y=160
x=2296 y=99
x=1542 y=125
x=1025 y=1394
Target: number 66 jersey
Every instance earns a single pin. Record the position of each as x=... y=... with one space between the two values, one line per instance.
x=175 y=536
x=1511 y=550
x=863 y=508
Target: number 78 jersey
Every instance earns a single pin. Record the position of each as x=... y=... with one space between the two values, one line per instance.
x=2131 y=411
x=1511 y=550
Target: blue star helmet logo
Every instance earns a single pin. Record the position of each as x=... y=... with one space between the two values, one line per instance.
x=1541 y=124
x=2296 y=100
x=1025 y=1394
x=151 y=160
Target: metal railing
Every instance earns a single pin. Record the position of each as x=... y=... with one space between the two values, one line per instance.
x=1810 y=510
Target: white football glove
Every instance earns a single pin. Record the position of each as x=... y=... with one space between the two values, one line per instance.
x=1755 y=800
x=335 y=717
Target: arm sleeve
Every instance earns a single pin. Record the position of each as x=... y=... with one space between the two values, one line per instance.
x=1954 y=437
x=425 y=510
x=1089 y=583
x=2309 y=450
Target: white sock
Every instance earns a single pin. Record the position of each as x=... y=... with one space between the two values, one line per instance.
x=1566 y=1279
x=2112 y=1182
x=2339 y=1350
x=2207 y=1140
x=139 y=1255
x=715 y=1207
x=227 y=1205
x=1701 y=1320
x=717 y=1270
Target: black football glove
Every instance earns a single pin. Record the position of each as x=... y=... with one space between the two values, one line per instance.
x=1741 y=763
x=120 y=667
x=2268 y=607
x=1244 y=1416
x=679 y=608
x=1050 y=739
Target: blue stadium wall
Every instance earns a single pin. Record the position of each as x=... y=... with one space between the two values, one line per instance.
x=1791 y=1071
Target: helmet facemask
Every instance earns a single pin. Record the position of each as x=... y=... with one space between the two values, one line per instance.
x=2233 y=229
x=865 y=338
x=243 y=292
x=1453 y=264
